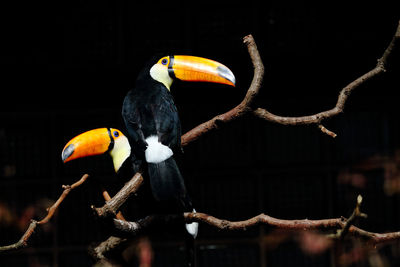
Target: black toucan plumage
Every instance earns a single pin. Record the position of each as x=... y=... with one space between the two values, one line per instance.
x=151 y=116
x=153 y=125
x=153 y=129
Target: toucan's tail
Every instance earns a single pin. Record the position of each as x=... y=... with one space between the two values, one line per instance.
x=168 y=187
x=167 y=184
x=190 y=249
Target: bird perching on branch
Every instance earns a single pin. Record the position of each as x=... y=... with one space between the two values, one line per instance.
x=153 y=128
x=153 y=125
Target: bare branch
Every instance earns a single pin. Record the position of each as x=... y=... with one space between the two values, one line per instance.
x=241 y=109
x=342 y=98
x=356 y=214
x=108 y=245
x=326 y=131
x=136 y=228
x=23 y=242
x=112 y=206
x=245 y=106
x=107 y=197
x=304 y=224
x=67 y=189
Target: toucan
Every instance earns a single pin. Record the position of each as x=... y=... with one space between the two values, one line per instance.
x=98 y=142
x=153 y=128
x=153 y=125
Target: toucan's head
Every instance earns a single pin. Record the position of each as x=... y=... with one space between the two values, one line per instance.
x=97 y=142
x=190 y=68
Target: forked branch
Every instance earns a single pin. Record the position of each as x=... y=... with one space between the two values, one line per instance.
x=246 y=105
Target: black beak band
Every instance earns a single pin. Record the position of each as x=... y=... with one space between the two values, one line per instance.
x=111 y=146
x=170 y=69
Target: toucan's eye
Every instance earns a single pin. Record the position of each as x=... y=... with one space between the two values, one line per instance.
x=164 y=61
x=116 y=134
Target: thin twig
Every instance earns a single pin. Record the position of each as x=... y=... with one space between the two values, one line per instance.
x=326 y=131
x=356 y=214
x=23 y=241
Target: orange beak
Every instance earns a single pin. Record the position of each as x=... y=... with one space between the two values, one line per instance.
x=90 y=143
x=198 y=69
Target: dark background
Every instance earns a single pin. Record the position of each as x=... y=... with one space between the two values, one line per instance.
x=66 y=67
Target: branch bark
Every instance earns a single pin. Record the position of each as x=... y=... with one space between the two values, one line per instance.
x=244 y=106
x=356 y=214
x=342 y=98
x=112 y=206
x=344 y=225
x=23 y=241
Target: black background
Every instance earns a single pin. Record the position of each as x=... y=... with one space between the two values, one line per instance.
x=66 y=67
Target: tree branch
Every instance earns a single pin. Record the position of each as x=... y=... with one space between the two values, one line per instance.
x=342 y=98
x=241 y=109
x=23 y=242
x=112 y=206
x=245 y=107
x=356 y=214
x=106 y=246
x=344 y=225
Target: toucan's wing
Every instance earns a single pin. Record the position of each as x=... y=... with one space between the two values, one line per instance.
x=152 y=111
x=131 y=113
x=167 y=121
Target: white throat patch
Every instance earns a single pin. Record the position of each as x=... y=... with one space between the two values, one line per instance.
x=160 y=73
x=120 y=152
x=156 y=152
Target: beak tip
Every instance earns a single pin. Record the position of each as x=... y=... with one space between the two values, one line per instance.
x=67 y=152
x=233 y=81
x=227 y=74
